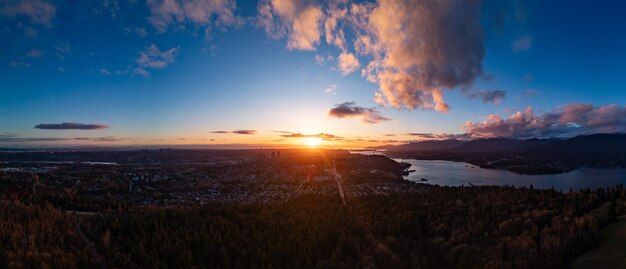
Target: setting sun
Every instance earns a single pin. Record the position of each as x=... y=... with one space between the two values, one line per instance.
x=313 y=141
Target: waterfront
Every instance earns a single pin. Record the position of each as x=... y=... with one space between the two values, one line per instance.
x=447 y=173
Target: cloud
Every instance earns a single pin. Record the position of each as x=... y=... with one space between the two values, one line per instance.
x=521 y=44
x=105 y=72
x=300 y=22
x=152 y=57
x=139 y=31
x=39 y=12
x=204 y=13
x=70 y=126
x=17 y=139
x=244 y=132
x=241 y=132
x=321 y=60
x=331 y=89
x=350 y=110
x=487 y=96
x=35 y=53
x=442 y=136
x=530 y=92
x=564 y=121
x=413 y=50
x=19 y=64
x=324 y=136
x=421 y=48
x=347 y=63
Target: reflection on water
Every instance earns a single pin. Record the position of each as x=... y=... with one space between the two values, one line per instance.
x=456 y=174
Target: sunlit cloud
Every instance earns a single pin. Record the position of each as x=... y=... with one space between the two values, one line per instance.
x=324 y=136
x=70 y=126
x=202 y=13
x=414 y=50
x=564 y=121
x=39 y=12
x=347 y=63
x=152 y=57
x=299 y=21
x=331 y=89
x=442 y=136
x=351 y=110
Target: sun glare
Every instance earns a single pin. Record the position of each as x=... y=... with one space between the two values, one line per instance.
x=313 y=141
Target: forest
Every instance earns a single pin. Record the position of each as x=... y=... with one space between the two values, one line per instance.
x=442 y=227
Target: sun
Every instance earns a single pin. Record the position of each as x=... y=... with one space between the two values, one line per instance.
x=313 y=141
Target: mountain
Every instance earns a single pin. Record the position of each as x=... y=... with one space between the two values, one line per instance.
x=585 y=147
x=532 y=156
x=501 y=144
x=427 y=145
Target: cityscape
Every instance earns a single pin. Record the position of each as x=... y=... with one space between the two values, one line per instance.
x=312 y=134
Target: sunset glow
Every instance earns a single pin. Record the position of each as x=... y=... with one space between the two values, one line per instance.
x=236 y=74
x=313 y=141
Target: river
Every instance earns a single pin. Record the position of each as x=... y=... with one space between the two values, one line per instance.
x=447 y=173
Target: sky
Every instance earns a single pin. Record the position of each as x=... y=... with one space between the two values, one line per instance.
x=282 y=73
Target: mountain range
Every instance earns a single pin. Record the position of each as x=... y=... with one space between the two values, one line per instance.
x=525 y=156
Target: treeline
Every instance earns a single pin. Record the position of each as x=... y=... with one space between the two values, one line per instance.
x=470 y=227
x=40 y=236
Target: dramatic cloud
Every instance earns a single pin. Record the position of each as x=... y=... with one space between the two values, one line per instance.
x=565 y=121
x=39 y=12
x=443 y=136
x=487 y=96
x=421 y=48
x=350 y=110
x=70 y=126
x=153 y=57
x=205 y=13
x=347 y=63
x=241 y=132
x=299 y=21
x=324 y=136
x=523 y=43
x=331 y=89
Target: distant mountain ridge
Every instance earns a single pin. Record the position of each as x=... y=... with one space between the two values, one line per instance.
x=529 y=156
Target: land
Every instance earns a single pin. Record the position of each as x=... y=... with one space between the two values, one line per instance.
x=313 y=208
x=530 y=156
x=88 y=180
x=610 y=253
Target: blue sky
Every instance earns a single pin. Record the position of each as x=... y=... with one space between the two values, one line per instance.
x=224 y=70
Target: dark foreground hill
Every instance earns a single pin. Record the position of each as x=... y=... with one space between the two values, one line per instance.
x=461 y=227
x=533 y=156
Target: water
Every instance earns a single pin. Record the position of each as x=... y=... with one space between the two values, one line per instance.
x=457 y=173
